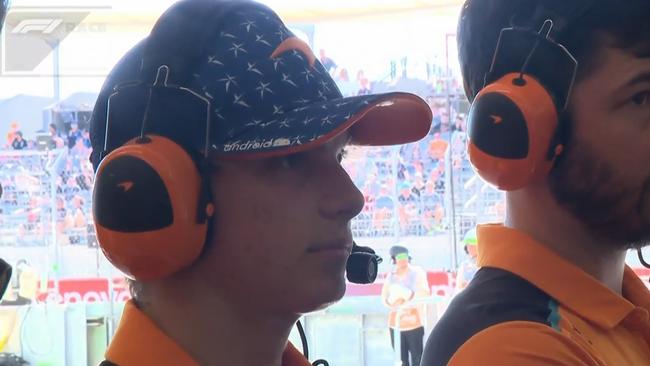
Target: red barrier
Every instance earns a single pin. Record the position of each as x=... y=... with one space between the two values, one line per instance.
x=91 y=290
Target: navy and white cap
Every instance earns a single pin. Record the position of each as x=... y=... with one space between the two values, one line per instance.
x=269 y=95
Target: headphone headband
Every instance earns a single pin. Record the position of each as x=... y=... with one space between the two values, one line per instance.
x=160 y=84
x=537 y=48
x=519 y=48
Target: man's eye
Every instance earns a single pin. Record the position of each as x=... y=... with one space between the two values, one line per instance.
x=642 y=99
x=342 y=155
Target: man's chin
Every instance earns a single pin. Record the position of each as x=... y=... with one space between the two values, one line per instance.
x=324 y=295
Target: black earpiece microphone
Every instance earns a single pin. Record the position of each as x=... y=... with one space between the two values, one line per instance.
x=641 y=259
x=5 y=276
x=362 y=265
x=5 y=270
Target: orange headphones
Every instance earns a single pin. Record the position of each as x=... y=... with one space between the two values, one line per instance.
x=151 y=200
x=513 y=121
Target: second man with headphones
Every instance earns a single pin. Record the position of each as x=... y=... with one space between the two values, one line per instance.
x=561 y=121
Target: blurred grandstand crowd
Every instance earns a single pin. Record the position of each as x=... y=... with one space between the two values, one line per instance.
x=47 y=189
x=48 y=180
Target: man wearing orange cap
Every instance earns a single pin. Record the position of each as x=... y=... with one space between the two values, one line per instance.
x=219 y=192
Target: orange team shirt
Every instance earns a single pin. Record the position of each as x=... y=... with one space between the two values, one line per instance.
x=437 y=148
x=528 y=306
x=138 y=341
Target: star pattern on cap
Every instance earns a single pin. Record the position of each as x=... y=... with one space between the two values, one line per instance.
x=265 y=99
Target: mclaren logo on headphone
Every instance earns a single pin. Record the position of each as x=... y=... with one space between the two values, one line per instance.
x=126 y=186
x=496 y=119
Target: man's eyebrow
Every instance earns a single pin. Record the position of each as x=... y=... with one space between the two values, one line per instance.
x=643 y=77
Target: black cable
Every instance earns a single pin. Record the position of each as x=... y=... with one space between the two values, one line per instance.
x=641 y=259
x=5 y=275
x=305 y=348
x=303 y=339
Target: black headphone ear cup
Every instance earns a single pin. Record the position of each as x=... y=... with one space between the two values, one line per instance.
x=146 y=219
x=512 y=125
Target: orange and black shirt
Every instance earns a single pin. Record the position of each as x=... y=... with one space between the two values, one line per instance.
x=139 y=342
x=528 y=306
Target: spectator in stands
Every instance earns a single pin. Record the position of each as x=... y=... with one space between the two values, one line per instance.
x=459 y=123
x=71 y=188
x=56 y=142
x=75 y=222
x=459 y=149
x=419 y=186
x=437 y=147
x=62 y=222
x=84 y=180
x=11 y=134
x=383 y=210
x=73 y=135
x=438 y=215
x=85 y=135
x=468 y=267
x=19 y=143
x=405 y=283
x=364 y=83
x=445 y=126
x=409 y=218
x=371 y=185
x=327 y=62
x=79 y=215
x=553 y=287
x=405 y=193
x=348 y=88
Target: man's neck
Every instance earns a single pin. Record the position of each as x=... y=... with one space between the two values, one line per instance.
x=535 y=212
x=214 y=332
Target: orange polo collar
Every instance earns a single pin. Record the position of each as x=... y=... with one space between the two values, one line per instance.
x=516 y=252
